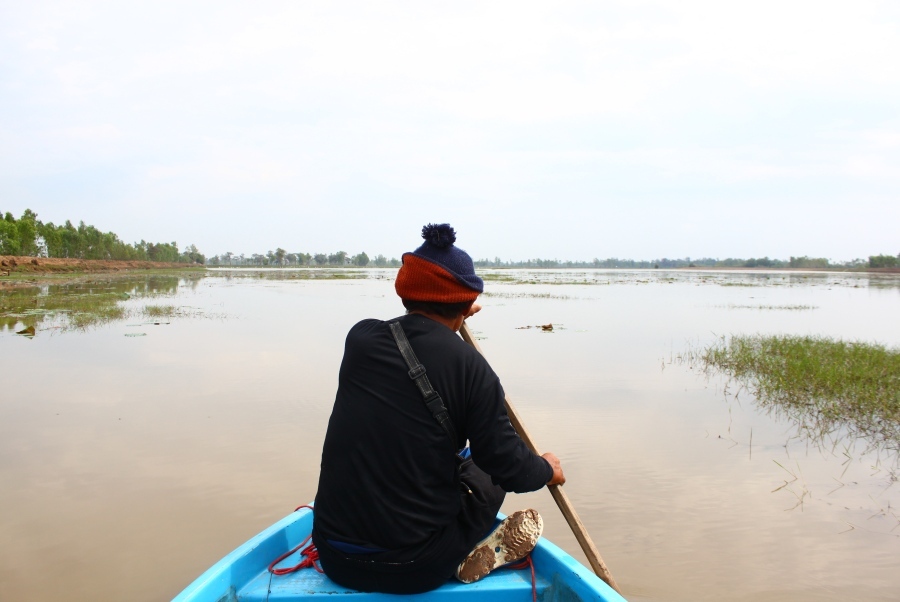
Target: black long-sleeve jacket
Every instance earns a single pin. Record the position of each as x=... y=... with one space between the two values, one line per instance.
x=388 y=475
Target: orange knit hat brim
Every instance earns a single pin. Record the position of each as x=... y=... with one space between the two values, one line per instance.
x=422 y=280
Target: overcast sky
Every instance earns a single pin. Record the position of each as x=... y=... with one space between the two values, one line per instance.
x=556 y=130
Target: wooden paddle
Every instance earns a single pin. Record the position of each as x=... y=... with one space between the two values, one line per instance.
x=562 y=500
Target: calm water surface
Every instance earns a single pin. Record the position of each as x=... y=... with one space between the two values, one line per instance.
x=129 y=464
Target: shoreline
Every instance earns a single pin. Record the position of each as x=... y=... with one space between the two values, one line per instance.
x=14 y=267
x=11 y=265
x=17 y=271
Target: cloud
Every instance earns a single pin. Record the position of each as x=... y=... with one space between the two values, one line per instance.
x=314 y=110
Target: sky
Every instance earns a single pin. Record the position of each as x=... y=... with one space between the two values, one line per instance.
x=567 y=130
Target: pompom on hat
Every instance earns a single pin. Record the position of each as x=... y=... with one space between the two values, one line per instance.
x=437 y=271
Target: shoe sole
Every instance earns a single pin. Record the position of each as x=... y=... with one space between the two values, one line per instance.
x=512 y=540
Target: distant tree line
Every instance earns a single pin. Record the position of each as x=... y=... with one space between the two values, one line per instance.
x=281 y=258
x=29 y=236
x=884 y=261
x=875 y=261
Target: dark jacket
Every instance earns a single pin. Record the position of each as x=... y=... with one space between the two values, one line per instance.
x=388 y=475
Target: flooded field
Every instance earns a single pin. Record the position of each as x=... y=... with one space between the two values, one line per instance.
x=148 y=425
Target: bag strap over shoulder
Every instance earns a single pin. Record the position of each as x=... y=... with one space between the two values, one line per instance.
x=417 y=373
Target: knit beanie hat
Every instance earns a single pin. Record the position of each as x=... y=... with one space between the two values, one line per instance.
x=437 y=271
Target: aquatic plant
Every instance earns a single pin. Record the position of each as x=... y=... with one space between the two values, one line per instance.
x=826 y=386
x=160 y=311
x=72 y=308
x=494 y=277
x=790 y=307
x=80 y=303
x=295 y=273
x=524 y=295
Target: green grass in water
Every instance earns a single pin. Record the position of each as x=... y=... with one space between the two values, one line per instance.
x=523 y=295
x=823 y=384
x=81 y=302
x=295 y=274
x=491 y=277
x=795 y=307
x=160 y=311
x=81 y=309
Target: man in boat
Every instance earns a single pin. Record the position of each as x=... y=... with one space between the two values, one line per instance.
x=398 y=509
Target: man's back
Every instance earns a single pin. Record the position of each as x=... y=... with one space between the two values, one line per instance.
x=388 y=468
x=391 y=514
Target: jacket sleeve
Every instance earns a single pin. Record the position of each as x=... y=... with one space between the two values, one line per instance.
x=496 y=447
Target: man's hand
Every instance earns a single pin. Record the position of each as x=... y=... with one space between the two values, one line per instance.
x=472 y=310
x=558 y=477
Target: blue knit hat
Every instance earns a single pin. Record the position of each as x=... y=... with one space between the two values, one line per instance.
x=451 y=277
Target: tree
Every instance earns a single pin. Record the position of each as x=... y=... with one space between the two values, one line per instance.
x=337 y=258
x=362 y=260
x=27 y=228
x=70 y=245
x=193 y=255
x=321 y=258
x=381 y=261
x=883 y=261
x=164 y=252
x=9 y=236
x=51 y=239
x=763 y=262
x=808 y=262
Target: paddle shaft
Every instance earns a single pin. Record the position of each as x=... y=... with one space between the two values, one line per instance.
x=562 y=500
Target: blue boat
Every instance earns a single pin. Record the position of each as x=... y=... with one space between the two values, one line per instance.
x=243 y=576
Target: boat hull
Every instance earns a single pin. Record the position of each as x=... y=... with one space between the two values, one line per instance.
x=243 y=576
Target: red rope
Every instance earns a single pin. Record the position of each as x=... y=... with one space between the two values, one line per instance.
x=526 y=562
x=311 y=556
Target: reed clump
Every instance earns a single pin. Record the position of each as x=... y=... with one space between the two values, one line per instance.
x=789 y=307
x=825 y=385
x=160 y=311
x=155 y=312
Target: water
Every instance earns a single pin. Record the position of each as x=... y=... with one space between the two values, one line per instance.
x=129 y=464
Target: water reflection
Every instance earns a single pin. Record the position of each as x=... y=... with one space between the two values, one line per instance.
x=27 y=309
x=88 y=302
x=81 y=303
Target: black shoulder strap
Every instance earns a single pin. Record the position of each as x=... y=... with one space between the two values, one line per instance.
x=417 y=372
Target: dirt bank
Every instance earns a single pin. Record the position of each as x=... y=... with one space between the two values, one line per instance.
x=10 y=266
